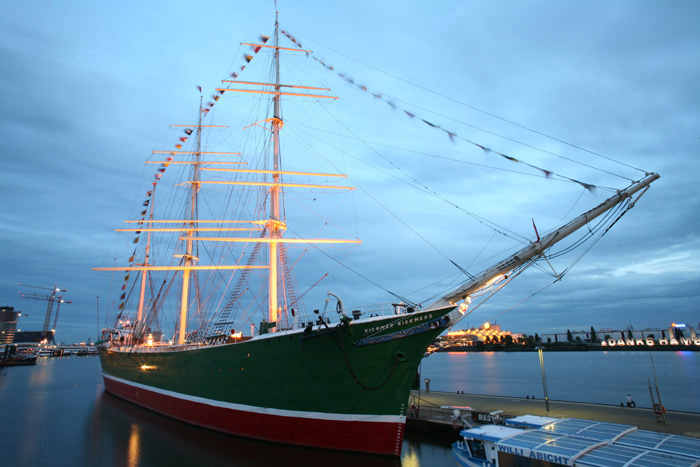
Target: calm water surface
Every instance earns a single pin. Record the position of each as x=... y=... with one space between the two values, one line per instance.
x=58 y=414
x=599 y=377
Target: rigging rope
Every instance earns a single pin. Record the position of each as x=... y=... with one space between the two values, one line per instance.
x=511 y=122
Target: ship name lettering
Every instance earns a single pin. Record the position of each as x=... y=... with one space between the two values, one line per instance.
x=543 y=456
x=404 y=322
x=512 y=450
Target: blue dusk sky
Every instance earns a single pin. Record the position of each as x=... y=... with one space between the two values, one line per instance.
x=597 y=91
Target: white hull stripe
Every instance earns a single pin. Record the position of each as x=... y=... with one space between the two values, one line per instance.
x=265 y=410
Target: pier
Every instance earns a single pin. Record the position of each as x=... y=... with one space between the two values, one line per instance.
x=433 y=416
x=55 y=350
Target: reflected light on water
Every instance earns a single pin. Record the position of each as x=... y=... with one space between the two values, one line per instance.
x=134 y=445
x=410 y=457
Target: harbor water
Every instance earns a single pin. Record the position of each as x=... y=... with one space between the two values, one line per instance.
x=593 y=376
x=57 y=412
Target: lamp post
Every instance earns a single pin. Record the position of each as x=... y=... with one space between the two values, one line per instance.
x=544 y=377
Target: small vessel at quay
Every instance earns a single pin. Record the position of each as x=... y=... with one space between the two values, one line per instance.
x=12 y=357
x=544 y=441
x=214 y=243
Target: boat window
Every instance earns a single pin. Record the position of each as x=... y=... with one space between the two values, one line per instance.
x=477 y=448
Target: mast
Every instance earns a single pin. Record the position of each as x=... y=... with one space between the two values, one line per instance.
x=189 y=258
x=144 y=273
x=535 y=249
x=273 y=225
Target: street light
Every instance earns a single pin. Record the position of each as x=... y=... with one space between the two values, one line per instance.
x=544 y=377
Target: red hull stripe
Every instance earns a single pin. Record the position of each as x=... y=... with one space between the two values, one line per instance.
x=276 y=412
x=380 y=434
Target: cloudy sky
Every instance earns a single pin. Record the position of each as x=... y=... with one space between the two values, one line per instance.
x=597 y=91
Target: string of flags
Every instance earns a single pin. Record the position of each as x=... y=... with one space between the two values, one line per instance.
x=452 y=135
x=161 y=170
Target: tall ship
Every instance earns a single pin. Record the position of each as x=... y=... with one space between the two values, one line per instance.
x=209 y=325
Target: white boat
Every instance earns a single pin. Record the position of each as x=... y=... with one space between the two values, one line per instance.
x=540 y=442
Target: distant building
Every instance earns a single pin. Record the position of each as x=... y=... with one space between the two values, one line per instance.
x=490 y=333
x=38 y=337
x=8 y=324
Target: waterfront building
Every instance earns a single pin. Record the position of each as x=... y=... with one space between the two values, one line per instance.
x=486 y=333
x=8 y=324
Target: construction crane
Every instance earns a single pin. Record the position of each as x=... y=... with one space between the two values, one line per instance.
x=52 y=298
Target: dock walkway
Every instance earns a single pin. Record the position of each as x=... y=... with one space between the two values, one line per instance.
x=433 y=419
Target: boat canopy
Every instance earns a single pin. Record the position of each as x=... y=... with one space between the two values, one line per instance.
x=588 y=443
x=600 y=431
x=619 y=456
x=662 y=442
x=619 y=434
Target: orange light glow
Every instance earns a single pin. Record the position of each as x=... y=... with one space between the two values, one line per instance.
x=281 y=172
x=191 y=229
x=275 y=47
x=494 y=280
x=277 y=93
x=198 y=221
x=289 y=185
x=274 y=240
x=195 y=152
x=195 y=162
x=178 y=268
x=270 y=84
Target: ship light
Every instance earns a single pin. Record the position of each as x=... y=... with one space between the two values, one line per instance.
x=145 y=367
x=150 y=340
x=487 y=325
x=236 y=335
x=495 y=280
x=462 y=308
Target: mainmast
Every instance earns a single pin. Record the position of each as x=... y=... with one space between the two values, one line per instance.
x=188 y=257
x=274 y=222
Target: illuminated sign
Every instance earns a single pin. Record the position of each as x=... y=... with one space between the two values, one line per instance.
x=650 y=342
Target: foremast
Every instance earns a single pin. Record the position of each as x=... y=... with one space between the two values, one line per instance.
x=496 y=273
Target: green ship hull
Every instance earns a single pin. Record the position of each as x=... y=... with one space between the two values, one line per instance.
x=339 y=387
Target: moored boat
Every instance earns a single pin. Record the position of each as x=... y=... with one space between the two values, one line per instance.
x=543 y=441
x=12 y=357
